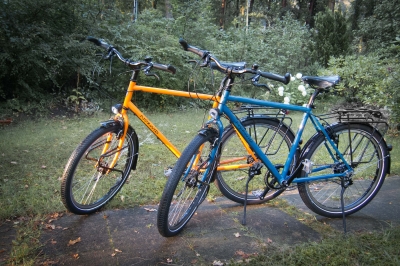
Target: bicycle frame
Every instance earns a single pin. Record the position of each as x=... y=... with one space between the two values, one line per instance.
x=129 y=105
x=250 y=145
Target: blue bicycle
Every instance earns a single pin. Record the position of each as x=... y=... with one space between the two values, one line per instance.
x=338 y=171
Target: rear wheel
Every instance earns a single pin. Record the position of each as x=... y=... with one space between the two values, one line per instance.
x=89 y=181
x=274 y=138
x=365 y=150
x=187 y=186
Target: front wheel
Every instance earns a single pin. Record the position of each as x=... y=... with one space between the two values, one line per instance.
x=187 y=186
x=92 y=177
x=365 y=150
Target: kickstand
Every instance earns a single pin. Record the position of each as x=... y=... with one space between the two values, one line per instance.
x=254 y=170
x=344 y=186
x=342 y=202
x=245 y=198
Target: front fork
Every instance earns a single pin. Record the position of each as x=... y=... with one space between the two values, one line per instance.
x=123 y=119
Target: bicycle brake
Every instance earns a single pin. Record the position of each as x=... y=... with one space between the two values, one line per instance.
x=255 y=80
x=151 y=75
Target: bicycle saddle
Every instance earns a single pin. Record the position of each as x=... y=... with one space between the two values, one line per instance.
x=321 y=82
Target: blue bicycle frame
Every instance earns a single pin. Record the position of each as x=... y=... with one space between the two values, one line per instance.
x=283 y=177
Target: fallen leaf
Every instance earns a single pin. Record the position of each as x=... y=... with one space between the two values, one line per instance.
x=169 y=260
x=73 y=242
x=150 y=210
x=117 y=250
x=44 y=166
x=50 y=226
x=122 y=198
x=53 y=242
x=244 y=255
x=49 y=262
x=269 y=240
x=13 y=162
x=75 y=256
x=217 y=263
x=237 y=234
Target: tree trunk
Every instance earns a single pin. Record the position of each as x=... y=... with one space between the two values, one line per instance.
x=168 y=7
x=222 y=14
x=331 y=5
x=251 y=3
x=284 y=3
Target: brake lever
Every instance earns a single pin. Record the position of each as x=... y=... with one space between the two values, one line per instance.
x=147 y=72
x=255 y=80
x=206 y=61
x=109 y=55
x=193 y=61
x=152 y=75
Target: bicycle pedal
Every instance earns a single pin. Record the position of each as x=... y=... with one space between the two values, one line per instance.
x=167 y=172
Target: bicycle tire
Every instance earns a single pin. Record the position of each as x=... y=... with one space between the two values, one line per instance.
x=369 y=157
x=87 y=185
x=274 y=137
x=183 y=193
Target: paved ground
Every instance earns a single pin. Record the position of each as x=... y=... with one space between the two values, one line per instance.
x=215 y=234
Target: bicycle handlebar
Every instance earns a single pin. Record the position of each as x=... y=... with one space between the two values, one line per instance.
x=134 y=65
x=227 y=68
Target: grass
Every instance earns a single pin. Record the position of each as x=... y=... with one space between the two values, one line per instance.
x=378 y=248
x=34 y=153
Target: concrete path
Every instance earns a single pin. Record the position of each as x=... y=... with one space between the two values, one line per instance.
x=213 y=236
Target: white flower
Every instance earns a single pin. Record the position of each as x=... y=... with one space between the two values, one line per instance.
x=304 y=93
x=286 y=100
x=299 y=75
x=281 y=88
x=292 y=78
x=301 y=88
x=280 y=93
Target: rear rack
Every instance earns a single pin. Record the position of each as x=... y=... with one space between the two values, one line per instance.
x=364 y=115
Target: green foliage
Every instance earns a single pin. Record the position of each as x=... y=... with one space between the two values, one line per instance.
x=376 y=23
x=367 y=79
x=39 y=44
x=331 y=36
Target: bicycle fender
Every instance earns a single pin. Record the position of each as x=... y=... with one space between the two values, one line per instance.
x=208 y=132
x=111 y=123
x=135 y=146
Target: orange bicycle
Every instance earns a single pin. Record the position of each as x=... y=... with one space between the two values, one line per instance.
x=100 y=165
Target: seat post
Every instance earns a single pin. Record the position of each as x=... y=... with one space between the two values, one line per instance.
x=313 y=97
